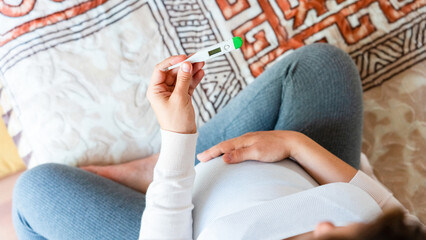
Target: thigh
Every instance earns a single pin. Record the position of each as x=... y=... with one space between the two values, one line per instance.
x=256 y=108
x=322 y=98
x=54 y=201
x=315 y=90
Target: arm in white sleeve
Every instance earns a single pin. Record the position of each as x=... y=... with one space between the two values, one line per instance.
x=380 y=194
x=168 y=210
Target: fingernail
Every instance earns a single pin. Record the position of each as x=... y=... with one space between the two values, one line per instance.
x=185 y=67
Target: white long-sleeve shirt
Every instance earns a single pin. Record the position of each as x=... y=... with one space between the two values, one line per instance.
x=249 y=200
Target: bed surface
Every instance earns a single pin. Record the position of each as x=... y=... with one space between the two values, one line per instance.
x=120 y=42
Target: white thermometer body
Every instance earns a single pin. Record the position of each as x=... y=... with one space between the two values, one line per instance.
x=212 y=51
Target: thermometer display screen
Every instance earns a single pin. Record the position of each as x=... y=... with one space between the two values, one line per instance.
x=214 y=51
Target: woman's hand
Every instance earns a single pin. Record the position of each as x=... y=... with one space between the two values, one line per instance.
x=274 y=146
x=170 y=93
x=267 y=146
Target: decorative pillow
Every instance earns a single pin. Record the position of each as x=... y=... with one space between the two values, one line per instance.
x=75 y=72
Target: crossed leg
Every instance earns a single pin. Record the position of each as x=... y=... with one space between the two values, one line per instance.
x=316 y=91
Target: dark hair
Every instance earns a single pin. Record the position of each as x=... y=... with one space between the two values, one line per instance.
x=391 y=225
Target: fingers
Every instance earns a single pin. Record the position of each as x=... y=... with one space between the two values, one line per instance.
x=216 y=150
x=225 y=147
x=170 y=61
x=159 y=74
x=242 y=154
x=171 y=74
x=184 y=78
x=184 y=81
x=197 y=66
x=197 y=76
x=196 y=79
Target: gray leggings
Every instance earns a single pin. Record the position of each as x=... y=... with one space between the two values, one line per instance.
x=316 y=91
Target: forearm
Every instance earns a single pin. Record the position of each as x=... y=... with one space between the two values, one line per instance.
x=322 y=165
x=169 y=197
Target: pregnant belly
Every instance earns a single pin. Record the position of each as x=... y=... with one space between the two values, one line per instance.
x=221 y=189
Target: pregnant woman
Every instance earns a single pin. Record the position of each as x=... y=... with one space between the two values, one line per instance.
x=280 y=161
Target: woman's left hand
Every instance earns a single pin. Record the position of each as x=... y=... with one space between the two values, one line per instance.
x=264 y=146
x=170 y=93
x=274 y=146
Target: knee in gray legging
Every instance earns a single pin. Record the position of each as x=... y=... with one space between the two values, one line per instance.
x=31 y=194
x=321 y=60
x=39 y=177
x=323 y=57
x=322 y=98
x=55 y=201
x=326 y=52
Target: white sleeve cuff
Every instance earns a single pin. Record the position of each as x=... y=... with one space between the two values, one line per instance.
x=375 y=189
x=177 y=151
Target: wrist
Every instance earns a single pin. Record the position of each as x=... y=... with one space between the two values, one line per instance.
x=178 y=124
x=321 y=164
x=180 y=129
x=297 y=142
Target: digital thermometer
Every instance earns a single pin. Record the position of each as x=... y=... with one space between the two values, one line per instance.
x=212 y=51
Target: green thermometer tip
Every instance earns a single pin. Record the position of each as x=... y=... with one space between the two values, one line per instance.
x=238 y=42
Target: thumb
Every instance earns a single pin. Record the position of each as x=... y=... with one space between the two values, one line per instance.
x=184 y=78
x=241 y=155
